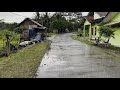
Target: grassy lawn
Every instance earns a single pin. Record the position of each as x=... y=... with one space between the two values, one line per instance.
x=82 y=39
x=111 y=47
x=117 y=49
x=75 y=32
x=24 y=63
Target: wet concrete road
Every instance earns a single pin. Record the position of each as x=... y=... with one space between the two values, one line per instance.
x=69 y=58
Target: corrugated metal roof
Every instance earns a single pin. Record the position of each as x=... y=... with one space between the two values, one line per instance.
x=31 y=21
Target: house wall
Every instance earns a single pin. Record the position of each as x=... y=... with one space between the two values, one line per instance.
x=89 y=29
x=87 y=22
x=27 y=24
x=97 y=31
x=116 y=41
x=25 y=34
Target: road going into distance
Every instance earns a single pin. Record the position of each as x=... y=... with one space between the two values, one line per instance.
x=69 y=58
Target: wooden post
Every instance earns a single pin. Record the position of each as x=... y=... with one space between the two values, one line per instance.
x=84 y=31
x=3 y=43
x=7 y=45
x=90 y=31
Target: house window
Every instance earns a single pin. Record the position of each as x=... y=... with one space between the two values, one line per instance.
x=87 y=30
x=92 y=31
x=32 y=26
x=95 y=30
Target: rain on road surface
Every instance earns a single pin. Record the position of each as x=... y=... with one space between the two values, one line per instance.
x=69 y=58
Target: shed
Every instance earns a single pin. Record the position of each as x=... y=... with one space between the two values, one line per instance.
x=30 y=28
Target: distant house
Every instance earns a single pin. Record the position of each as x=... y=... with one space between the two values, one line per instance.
x=30 y=28
x=113 y=19
x=91 y=24
x=88 y=24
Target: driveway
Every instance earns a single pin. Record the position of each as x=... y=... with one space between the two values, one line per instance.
x=69 y=58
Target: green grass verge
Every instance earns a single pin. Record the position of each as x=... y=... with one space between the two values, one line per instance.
x=117 y=49
x=82 y=40
x=75 y=32
x=50 y=34
x=111 y=47
x=24 y=63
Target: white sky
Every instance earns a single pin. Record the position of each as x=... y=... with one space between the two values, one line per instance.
x=11 y=17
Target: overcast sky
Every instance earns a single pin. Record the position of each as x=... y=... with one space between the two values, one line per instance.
x=11 y=17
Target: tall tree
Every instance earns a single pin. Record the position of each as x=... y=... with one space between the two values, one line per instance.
x=37 y=16
x=46 y=20
x=58 y=22
x=9 y=26
x=42 y=18
x=74 y=18
x=64 y=19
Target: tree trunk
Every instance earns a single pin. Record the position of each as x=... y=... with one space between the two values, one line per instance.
x=108 y=40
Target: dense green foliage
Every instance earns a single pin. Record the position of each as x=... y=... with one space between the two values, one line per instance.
x=59 y=21
x=8 y=29
x=13 y=38
x=106 y=32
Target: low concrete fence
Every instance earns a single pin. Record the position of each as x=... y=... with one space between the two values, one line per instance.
x=104 y=45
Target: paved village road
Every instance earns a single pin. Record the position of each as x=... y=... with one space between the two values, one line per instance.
x=69 y=58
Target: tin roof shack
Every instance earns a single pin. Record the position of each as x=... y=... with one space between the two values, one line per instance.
x=30 y=28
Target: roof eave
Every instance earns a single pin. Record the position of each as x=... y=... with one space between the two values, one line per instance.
x=109 y=15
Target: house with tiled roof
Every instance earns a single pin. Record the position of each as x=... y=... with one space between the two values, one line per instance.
x=91 y=24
